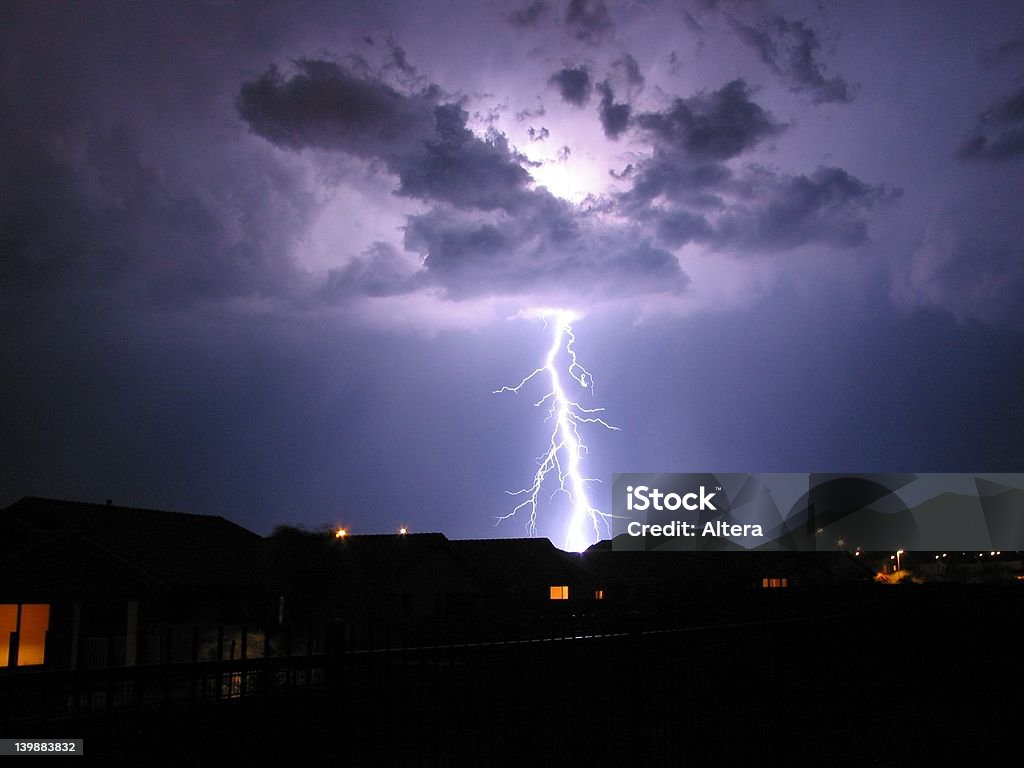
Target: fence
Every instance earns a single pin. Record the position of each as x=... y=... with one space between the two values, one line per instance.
x=791 y=683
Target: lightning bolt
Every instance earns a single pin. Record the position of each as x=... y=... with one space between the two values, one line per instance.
x=566 y=449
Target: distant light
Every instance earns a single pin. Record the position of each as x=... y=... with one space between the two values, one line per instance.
x=341 y=533
x=403 y=530
x=892 y=557
x=992 y=553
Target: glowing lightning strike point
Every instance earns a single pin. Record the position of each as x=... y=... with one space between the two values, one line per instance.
x=566 y=449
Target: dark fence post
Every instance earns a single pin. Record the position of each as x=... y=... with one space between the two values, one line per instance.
x=220 y=660
x=309 y=655
x=243 y=685
x=197 y=677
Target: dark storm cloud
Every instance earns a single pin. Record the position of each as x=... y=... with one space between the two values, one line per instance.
x=489 y=233
x=460 y=169
x=95 y=198
x=589 y=21
x=779 y=212
x=529 y=15
x=108 y=220
x=710 y=126
x=614 y=116
x=759 y=211
x=673 y=176
x=380 y=271
x=689 y=193
x=324 y=105
x=679 y=227
x=970 y=263
x=548 y=253
x=532 y=242
x=999 y=135
x=573 y=84
x=427 y=145
x=790 y=48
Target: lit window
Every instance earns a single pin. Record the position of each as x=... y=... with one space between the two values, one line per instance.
x=35 y=621
x=560 y=593
x=774 y=583
x=8 y=624
x=599 y=594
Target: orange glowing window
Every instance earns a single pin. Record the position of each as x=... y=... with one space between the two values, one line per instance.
x=8 y=624
x=599 y=594
x=34 y=623
x=559 y=593
x=774 y=583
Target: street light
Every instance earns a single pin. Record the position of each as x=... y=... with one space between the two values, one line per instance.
x=898 y=553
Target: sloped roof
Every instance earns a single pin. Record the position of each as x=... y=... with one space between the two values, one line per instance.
x=504 y=562
x=380 y=557
x=319 y=563
x=172 y=548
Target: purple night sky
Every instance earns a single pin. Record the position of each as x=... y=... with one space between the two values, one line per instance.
x=270 y=260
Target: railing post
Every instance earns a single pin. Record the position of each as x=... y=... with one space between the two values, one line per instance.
x=197 y=671
x=309 y=656
x=220 y=661
x=243 y=655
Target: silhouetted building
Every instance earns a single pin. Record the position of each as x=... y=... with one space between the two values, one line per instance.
x=677 y=579
x=410 y=574
x=526 y=573
x=102 y=585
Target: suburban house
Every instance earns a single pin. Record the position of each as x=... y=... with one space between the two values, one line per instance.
x=526 y=573
x=676 y=578
x=92 y=585
x=385 y=577
x=99 y=585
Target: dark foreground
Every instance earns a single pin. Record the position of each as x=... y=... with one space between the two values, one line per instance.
x=891 y=676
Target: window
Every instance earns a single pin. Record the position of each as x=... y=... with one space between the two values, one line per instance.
x=599 y=594
x=8 y=624
x=774 y=583
x=560 y=593
x=31 y=621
